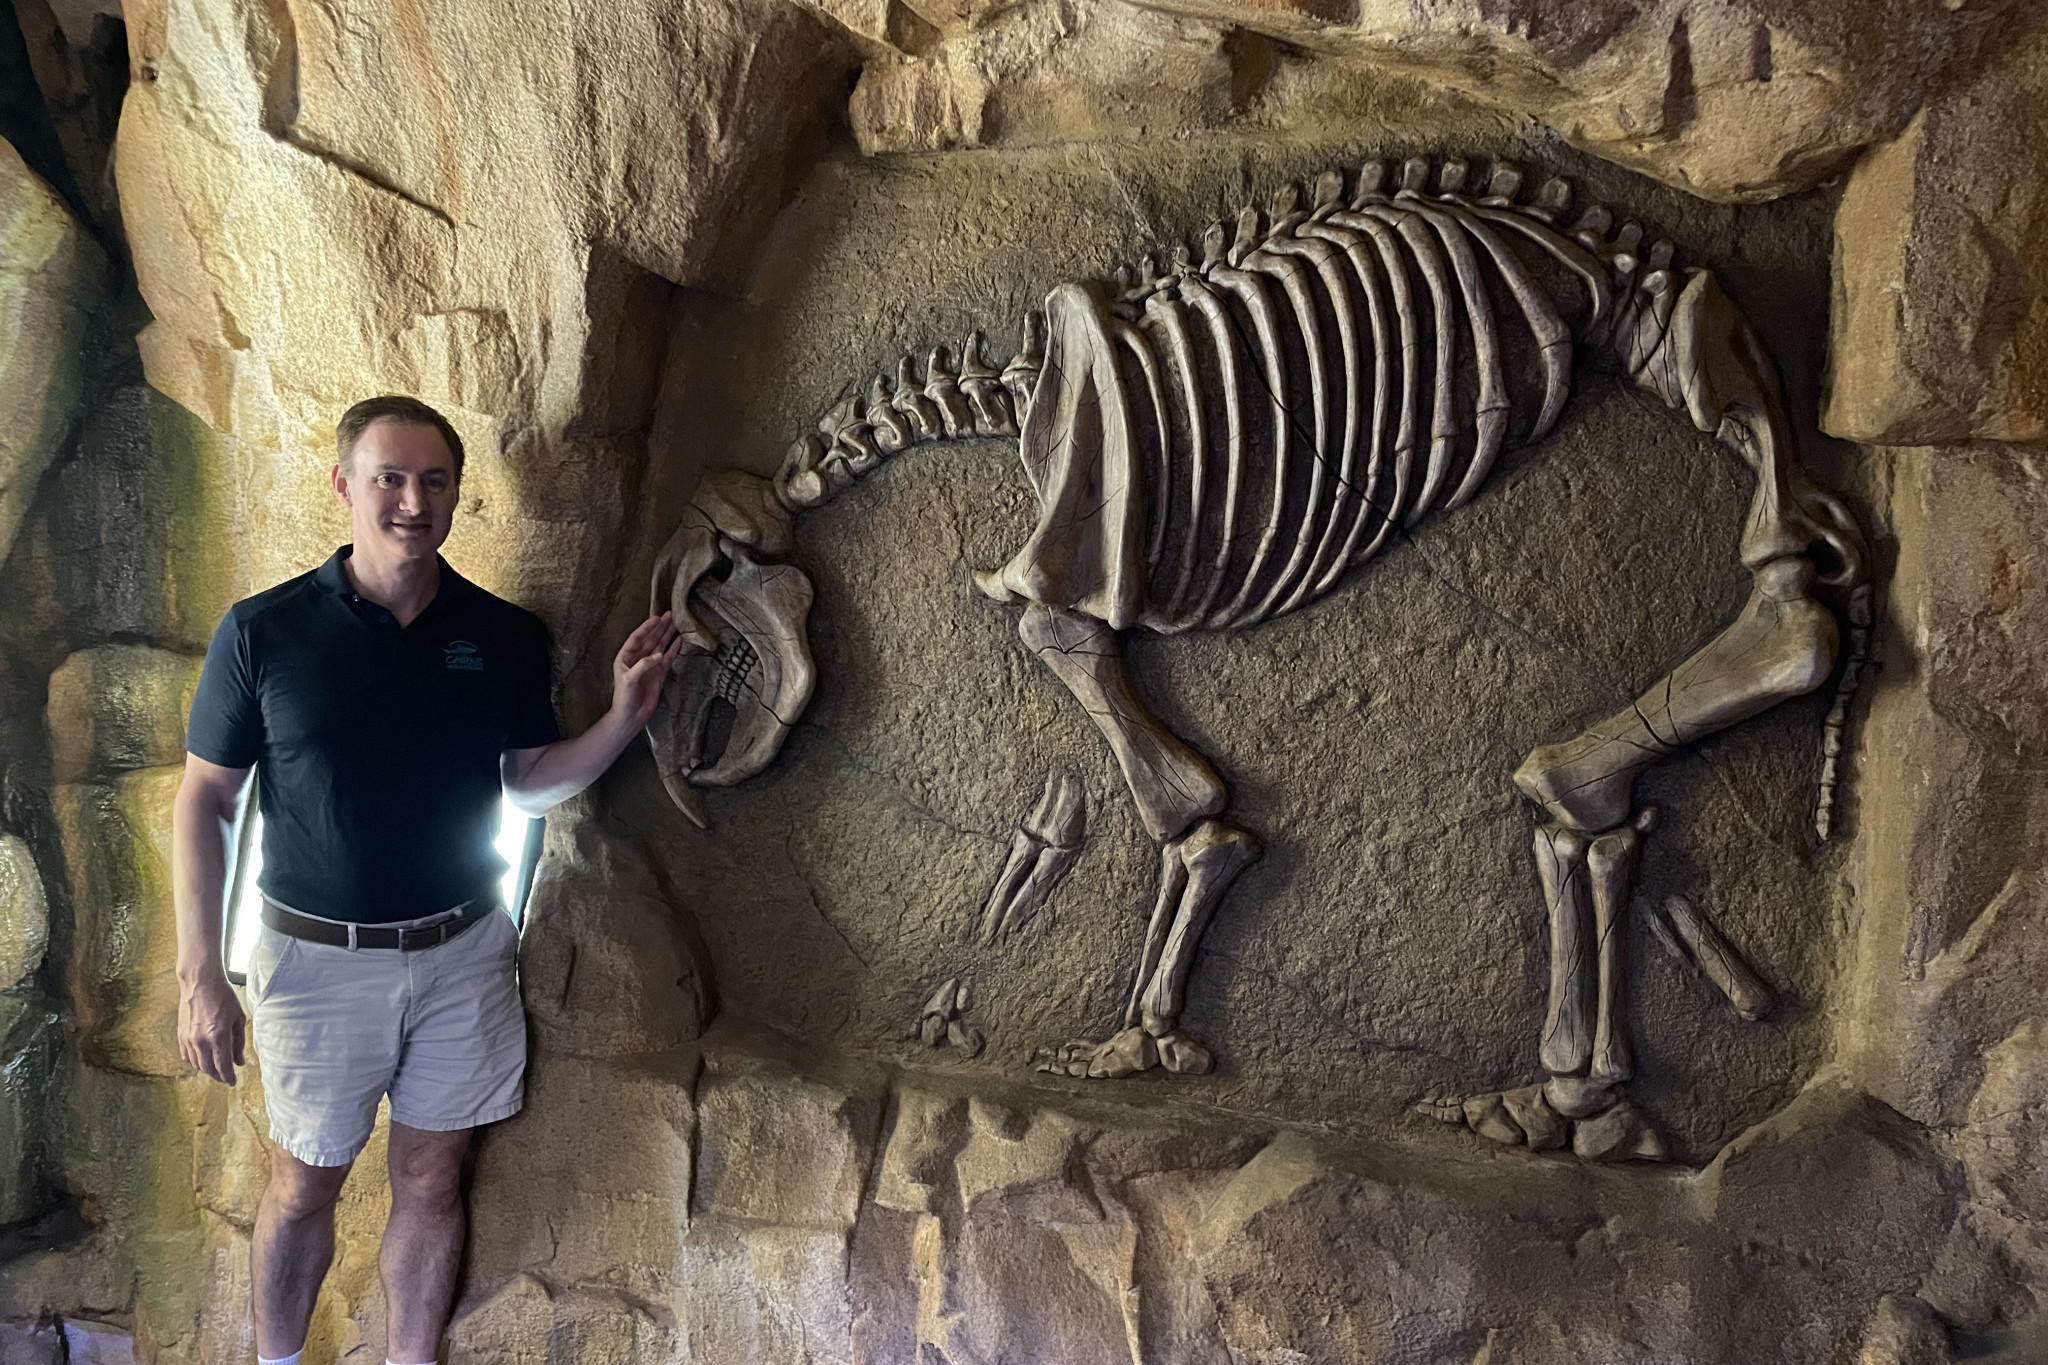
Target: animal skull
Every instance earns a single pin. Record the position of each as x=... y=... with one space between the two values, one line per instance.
x=742 y=616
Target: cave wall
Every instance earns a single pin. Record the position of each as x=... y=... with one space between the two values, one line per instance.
x=623 y=249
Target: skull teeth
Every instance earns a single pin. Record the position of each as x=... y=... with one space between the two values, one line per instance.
x=735 y=662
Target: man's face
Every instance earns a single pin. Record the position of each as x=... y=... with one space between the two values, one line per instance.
x=400 y=486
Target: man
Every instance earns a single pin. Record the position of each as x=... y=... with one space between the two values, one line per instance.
x=386 y=700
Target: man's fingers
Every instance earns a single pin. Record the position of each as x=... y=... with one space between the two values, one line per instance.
x=648 y=639
x=644 y=638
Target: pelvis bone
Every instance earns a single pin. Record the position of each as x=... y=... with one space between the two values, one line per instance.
x=746 y=657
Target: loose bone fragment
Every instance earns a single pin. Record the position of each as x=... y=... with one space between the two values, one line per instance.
x=1708 y=952
x=1044 y=847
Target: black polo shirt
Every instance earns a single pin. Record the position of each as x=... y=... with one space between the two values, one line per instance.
x=377 y=746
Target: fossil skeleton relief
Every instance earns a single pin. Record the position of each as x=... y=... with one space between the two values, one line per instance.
x=1218 y=443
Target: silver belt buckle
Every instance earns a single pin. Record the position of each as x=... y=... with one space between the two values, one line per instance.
x=351 y=936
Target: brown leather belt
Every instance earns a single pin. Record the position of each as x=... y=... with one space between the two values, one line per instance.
x=292 y=924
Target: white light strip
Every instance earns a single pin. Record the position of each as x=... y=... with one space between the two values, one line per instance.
x=246 y=914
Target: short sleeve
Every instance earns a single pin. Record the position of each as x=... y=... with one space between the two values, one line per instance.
x=226 y=726
x=533 y=700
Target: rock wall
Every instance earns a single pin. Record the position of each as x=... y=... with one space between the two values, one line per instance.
x=626 y=248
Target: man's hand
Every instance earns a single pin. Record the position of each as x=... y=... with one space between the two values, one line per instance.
x=536 y=779
x=210 y=1024
x=642 y=667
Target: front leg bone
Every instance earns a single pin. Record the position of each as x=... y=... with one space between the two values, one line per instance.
x=1173 y=879
x=1214 y=856
x=1171 y=784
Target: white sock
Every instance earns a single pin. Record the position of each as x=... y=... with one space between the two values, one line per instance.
x=292 y=1359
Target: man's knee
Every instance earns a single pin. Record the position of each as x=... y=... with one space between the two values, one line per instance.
x=298 y=1190
x=426 y=1167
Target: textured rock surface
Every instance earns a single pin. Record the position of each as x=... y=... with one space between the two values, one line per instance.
x=117 y=708
x=318 y=215
x=1737 y=101
x=609 y=967
x=52 y=283
x=31 y=1343
x=843 y=1213
x=30 y=1036
x=1940 y=326
x=116 y=837
x=24 y=913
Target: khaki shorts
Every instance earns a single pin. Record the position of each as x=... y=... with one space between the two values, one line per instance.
x=440 y=1030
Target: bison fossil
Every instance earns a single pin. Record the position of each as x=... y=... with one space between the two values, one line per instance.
x=1218 y=443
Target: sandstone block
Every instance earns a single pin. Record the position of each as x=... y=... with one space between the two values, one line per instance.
x=52 y=283
x=115 y=708
x=24 y=913
x=588 y=1202
x=756 y=1292
x=226 y=1329
x=1742 y=103
x=121 y=542
x=1982 y=614
x=230 y=1154
x=97 y=1343
x=925 y=1132
x=2004 y=1146
x=607 y=960
x=777 y=1145
x=1939 y=331
x=1841 y=1178
x=116 y=839
x=526 y=1321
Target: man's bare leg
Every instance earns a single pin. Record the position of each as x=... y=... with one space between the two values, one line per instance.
x=291 y=1250
x=423 y=1241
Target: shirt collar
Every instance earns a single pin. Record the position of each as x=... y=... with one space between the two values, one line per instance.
x=333 y=577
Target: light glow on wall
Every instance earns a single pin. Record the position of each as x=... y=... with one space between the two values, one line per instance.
x=245 y=912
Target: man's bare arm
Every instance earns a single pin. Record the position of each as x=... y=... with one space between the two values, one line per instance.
x=538 y=779
x=210 y=1021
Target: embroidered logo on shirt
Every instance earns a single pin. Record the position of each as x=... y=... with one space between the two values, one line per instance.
x=463 y=655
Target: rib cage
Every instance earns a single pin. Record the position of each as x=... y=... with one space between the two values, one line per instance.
x=1353 y=354
x=1325 y=376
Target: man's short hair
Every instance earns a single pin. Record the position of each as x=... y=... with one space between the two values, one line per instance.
x=393 y=407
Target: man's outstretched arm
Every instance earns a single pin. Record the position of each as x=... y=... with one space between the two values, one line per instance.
x=538 y=779
x=210 y=1021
